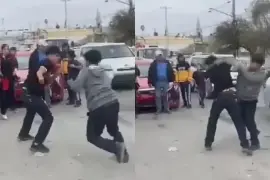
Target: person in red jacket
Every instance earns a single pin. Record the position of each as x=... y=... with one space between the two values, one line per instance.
x=8 y=71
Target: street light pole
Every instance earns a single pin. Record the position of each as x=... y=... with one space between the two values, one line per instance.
x=166 y=8
x=66 y=13
x=234 y=22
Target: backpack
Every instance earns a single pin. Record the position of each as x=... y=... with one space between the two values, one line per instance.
x=162 y=71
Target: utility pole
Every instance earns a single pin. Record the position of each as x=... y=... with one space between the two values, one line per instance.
x=166 y=8
x=235 y=27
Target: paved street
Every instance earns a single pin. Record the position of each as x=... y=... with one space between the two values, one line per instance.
x=71 y=156
x=172 y=148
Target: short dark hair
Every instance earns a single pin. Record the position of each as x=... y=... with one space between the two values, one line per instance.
x=4 y=46
x=52 y=50
x=72 y=54
x=13 y=49
x=258 y=58
x=93 y=56
x=210 y=60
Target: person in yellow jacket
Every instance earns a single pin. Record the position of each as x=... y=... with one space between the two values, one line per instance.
x=183 y=76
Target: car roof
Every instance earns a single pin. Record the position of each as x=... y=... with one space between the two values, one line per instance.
x=143 y=62
x=101 y=44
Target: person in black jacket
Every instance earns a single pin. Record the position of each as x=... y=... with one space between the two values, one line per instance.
x=13 y=54
x=225 y=98
x=160 y=74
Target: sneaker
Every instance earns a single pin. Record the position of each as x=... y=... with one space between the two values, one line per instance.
x=39 y=148
x=189 y=106
x=77 y=105
x=126 y=157
x=25 y=138
x=208 y=148
x=4 y=116
x=247 y=151
x=120 y=152
x=202 y=105
x=69 y=103
x=255 y=147
x=167 y=111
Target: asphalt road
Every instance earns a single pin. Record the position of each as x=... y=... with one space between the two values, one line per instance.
x=71 y=156
x=168 y=148
x=172 y=147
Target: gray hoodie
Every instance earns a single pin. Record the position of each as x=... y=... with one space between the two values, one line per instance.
x=97 y=86
x=249 y=83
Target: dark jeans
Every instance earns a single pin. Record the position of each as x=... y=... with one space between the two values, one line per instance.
x=186 y=92
x=36 y=105
x=7 y=98
x=202 y=93
x=248 y=110
x=228 y=101
x=105 y=116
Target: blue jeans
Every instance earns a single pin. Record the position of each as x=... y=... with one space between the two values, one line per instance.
x=161 y=90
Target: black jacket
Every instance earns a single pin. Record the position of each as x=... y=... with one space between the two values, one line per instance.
x=152 y=72
x=220 y=76
x=33 y=60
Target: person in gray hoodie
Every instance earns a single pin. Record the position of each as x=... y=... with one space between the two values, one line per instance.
x=249 y=83
x=102 y=105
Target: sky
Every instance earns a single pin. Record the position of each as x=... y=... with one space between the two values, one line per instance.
x=183 y=14
x=31 y=13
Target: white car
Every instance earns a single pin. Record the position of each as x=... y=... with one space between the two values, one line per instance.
x=117 y=58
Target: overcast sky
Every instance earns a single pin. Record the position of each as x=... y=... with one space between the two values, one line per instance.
x=183 y=14
x=23 y=13
x=181 y=17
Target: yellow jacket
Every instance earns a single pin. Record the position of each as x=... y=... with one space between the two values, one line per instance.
x=64 y=66
x=183 y=72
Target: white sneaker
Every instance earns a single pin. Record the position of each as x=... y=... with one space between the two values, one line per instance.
x=4 y=117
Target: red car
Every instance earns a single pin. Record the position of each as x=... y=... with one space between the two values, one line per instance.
x=57 y=87
x=145 y=96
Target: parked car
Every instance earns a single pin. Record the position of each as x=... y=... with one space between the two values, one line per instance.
x=146 y=95
x=57 y=87
x=118 y=58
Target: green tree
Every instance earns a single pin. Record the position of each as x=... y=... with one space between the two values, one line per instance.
x=245 y=35
x=122 y=25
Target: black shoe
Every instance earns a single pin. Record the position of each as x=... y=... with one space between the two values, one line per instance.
x=247 y=151
x=120 y=152
x=25 y=138
x=167 y=111
x=255 y=147
x=126 y=157
x=39 y=148
x=189 y=106
x=208 y=147
x=77 y=105
x=70 y=103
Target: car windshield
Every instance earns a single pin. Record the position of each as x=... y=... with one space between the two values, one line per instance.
x=110 y=51
x=143 y=69
x=23 y=62
x=150 y=53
